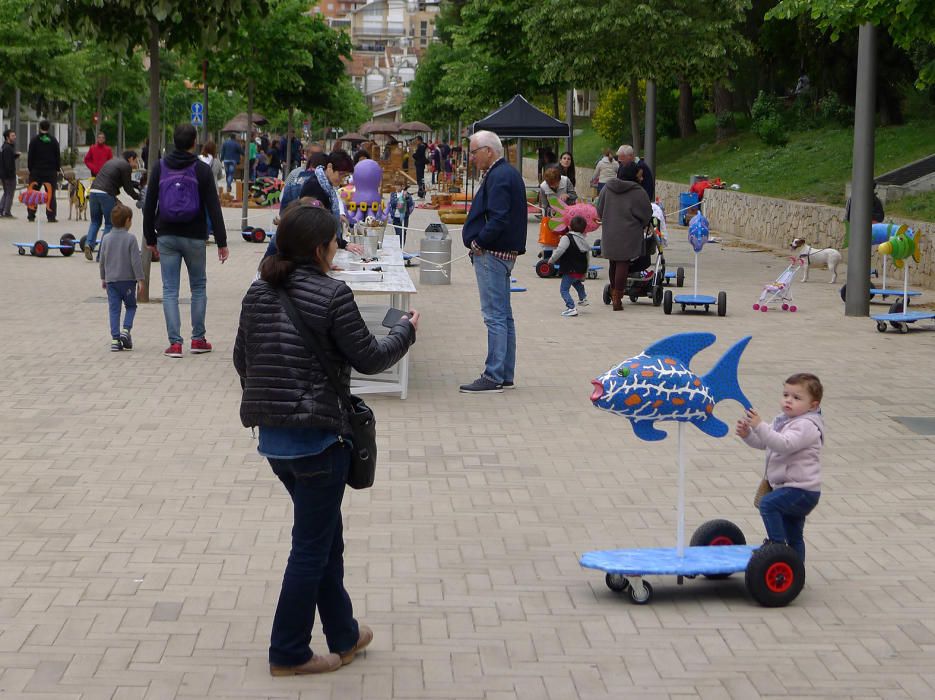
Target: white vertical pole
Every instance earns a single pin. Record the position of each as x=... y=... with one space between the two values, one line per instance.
x=906 y=284
x=680 y=535
x=884 y=270
x=697 y=265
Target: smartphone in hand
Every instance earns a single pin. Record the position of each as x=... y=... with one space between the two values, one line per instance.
x=393 y=316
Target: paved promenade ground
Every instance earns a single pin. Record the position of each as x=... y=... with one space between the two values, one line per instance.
x=142 y=539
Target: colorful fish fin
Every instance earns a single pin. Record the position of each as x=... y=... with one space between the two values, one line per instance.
x=916 y=246
x=710 y=425
x=645 y=430
x=681 y=346
x=722 y=379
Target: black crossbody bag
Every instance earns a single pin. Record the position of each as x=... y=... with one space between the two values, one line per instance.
x=363 y=424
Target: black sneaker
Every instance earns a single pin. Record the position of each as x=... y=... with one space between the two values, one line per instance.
x=509 y=385
x=116 y=345
x=126 y=340
x=482 y=385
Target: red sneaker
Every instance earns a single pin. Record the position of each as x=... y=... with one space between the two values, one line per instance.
x=174 y=350
x=200 y=345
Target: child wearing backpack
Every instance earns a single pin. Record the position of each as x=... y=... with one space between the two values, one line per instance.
x=573 y=250
x=121 y=275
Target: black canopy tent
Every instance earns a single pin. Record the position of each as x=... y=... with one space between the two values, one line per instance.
x=520 y=120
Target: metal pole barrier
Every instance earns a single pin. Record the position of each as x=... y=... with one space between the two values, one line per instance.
x=649 y=141
x=858 y=252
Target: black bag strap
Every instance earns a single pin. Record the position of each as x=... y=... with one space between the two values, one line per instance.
x=312 y=344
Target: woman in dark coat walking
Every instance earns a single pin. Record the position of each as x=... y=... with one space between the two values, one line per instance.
x=303 y=427
x=624 y=209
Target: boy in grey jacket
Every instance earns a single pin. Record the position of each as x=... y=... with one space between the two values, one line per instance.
x=121 y=275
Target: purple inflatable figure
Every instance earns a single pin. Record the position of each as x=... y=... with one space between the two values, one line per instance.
x=365 y=199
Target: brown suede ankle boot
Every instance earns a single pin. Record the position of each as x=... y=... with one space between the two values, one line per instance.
x=615 y=300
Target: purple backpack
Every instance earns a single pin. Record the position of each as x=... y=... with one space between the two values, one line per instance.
x=179 y=201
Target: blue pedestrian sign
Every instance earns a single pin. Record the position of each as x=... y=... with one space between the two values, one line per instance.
x=198 y=114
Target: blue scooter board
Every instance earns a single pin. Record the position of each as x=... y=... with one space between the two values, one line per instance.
x=901 y=321
x=894 y=293
x=41 y=249
x=665 y=561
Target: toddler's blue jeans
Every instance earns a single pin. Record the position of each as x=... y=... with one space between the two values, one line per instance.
x=783 y=511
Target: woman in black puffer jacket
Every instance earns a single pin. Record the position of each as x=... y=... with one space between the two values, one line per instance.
x=302 y=427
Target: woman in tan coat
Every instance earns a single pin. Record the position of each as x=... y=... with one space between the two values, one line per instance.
x=625 y=211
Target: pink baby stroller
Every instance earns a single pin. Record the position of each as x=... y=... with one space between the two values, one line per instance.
x=779 y=292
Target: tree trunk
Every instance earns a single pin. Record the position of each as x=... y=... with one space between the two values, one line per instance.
x=246 y=158
x=289 y=136
x=723 y=111
x=100 y=117
x=634 y=94
x=686 y=109
x=154 y=149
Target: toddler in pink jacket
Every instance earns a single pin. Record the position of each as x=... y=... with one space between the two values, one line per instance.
x=793 y=459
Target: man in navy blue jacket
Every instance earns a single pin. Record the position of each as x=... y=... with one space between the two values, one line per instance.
x=495 y=231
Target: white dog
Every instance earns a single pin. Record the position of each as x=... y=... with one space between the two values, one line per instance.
x=816 y=256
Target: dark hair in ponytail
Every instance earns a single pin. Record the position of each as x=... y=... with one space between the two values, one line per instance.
x=302 y=238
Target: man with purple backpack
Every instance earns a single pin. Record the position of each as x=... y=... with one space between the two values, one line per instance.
x=181 y=193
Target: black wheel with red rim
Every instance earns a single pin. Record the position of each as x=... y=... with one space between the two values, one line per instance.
x=68 y=244
x=40 y=248
x=259 y=235
x=544 y=269
x=716 y=533
x=775 y=575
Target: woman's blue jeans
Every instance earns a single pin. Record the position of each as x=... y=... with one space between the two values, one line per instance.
x=172 y=251
x=493 y=283
x=783 y=511
x=100 y=206
x=314 y=576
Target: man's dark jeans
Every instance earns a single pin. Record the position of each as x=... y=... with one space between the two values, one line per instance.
x=315 y=572
x=9 y=191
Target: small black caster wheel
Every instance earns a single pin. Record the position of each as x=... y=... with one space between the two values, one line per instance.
x=721 y=304
x=606 y=295
x=902 y=327
x=881 y=326
x=641 y=593
x=634 y=298
x=679 y=276
x=667 y=303
x=618 y=583
x=21 y=250
x=775 y=575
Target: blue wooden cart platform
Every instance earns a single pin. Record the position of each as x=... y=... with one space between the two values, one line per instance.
x=665 y=561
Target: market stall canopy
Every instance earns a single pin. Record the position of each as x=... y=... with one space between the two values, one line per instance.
x=352 y=137
x=380 y=127
x=414 y=126
x=519 y=119
x=239 y=123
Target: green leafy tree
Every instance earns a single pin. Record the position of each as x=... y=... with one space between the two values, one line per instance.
x=425 y=102
x=910 y=23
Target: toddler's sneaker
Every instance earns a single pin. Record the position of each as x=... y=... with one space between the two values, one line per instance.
x=199 y=346
x=584 y=302
x=89 y=253
x=174 y=350
x=570 y=312
x=126 y=340
x=116 y=345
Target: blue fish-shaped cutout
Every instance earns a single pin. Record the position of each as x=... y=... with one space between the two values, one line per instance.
x=698 y=229
x=658 y=385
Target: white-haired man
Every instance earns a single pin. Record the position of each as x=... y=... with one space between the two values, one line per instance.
x=625 y=154
x=495 y=232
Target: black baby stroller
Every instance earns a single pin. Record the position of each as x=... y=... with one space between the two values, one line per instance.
x=646 y=279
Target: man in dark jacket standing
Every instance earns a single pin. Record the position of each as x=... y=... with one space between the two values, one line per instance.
x=8 y=156
x=44 y=160
x=495 y=232
x=626 y=155
x=102 y=197
x=180 y=193
x=420 y=159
